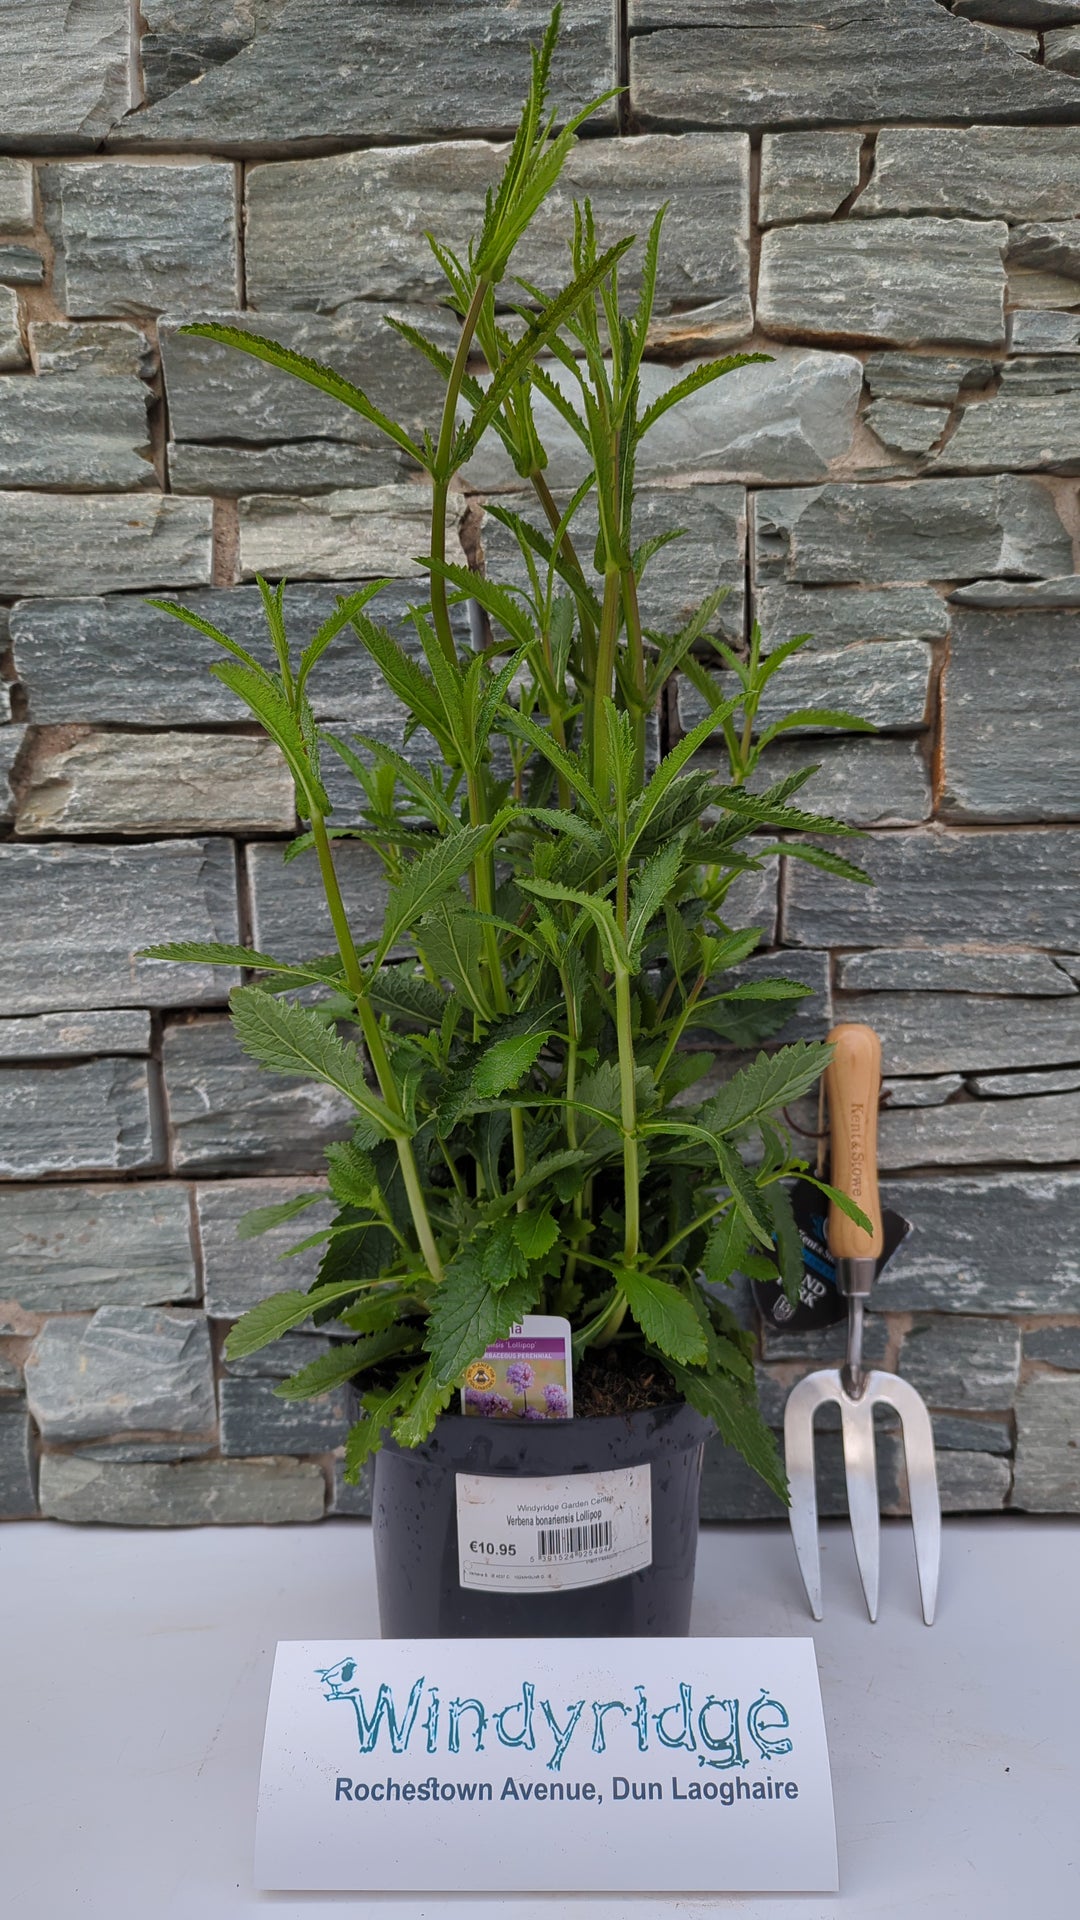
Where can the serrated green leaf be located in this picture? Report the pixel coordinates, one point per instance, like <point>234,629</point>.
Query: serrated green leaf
<point>436,873</point>
<point>535,1233</point>
<point>280,1313</point>
<point>843,1201</point>
<point>789,1246</point>
<point>416,1421</point>
<point>291,1039</point>
<point>467,1314</point>
<point>343,1362</point>
<point>506,1063</point>
<point>734,1411</point>
<point>379,1407</point>
<point>726,1248</point>
<point>353,1180</point>
<point>665,1316</point>
<point>264,1219</point>
<point>771,1081</point>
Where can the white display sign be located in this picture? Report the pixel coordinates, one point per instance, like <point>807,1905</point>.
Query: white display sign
<point>520,1766</point>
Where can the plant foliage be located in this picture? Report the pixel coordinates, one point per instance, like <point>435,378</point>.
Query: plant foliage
<point>521,1047</point>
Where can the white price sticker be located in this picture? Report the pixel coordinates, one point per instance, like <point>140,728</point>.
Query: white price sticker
<point>550,1535</point>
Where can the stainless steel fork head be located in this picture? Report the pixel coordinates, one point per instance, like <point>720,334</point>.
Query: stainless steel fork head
<point>860,1471</point>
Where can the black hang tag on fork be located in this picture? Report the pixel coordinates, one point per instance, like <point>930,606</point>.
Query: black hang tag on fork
<point>820,1302</point>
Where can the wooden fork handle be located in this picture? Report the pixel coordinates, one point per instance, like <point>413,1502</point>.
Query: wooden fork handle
<point>852,1088</point>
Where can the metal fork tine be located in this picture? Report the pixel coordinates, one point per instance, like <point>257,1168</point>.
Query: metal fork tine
<point>860,1472</point>
<point>802,1403</point>
<point>923,1496</point>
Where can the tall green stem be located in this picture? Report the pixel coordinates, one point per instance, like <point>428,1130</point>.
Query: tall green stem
<point>376,1047</point>
<point>443,470</point>
<point>604,686</point>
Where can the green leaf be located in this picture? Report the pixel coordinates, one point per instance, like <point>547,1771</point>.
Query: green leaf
<point>415,1423</point>
<point>319,972</point>
<point>428,879</point>
<point>259,1220</point>
<point>734,1411</point>
<point>816,717</point>
<point>413,687</point>
<point>789,1246</point>
<point>379,1406</point>
<point>314,373</point>
<point>766,990</point>
<point>451,940</point>
<point>353,1180</point>
<point>346,612</point>
<point>535,1233</point>
<point>212,633</point>
<point>843,1201</point>
<point>331,1369</point>
<point>665,1316</point>
<point>506,1063</point>
<point>282,1311</point>
<point>467,1314</point>
<point>692,382</point>
<point>726,1248</point>
<point>651,887</point>
<point>291,1039</point>
<point>818,857</point>
<point>771,1081</point>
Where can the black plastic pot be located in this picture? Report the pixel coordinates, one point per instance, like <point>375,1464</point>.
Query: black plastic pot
<point>415,1524</point>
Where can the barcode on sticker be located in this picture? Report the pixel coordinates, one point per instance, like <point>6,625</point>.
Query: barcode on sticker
<point>568,1543</point>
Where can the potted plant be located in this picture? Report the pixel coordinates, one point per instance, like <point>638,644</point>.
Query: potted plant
<point>528,1138</point>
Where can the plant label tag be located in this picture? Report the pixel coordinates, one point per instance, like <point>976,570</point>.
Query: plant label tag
<point>550,1535</point>
<point>527,1376</point>
<point>518,1767</point>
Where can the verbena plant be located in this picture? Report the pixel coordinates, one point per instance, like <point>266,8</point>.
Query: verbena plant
<point>513,1046</point>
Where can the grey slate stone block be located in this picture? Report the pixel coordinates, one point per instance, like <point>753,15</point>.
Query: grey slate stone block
<point>17,1496</point>
<point>807,175</point>
<point>798,64</point>
<point>1036,595</point>
<point>984,172</point>
<point>66,1248</point>
<point>959,1032</point>
<point>240,1273</point>
<point>367,530</point>
<point>11,1375</point>
<point>128,1451</point>
<point>1010,688</point>
<point>959,1433</point>
<point>866,783</point>
<point>1057,1346</point>
<point>1009,1086</point>
<point>1048,1447</point>
<point>1046,246</point>
<point>273,84</point>
<point>783,421</point>
<point>711,554</point>
<point>950,970</point>
<point>1061,50</point>
<point>993,1243</point>
<point>255,1421</point>
<point>57,543</point>
<point>131,784</point>
<point>1035,432</point>
<point>98,1118</point>
<point>13,352</point>
<point>898,281</point>
<point>289,916</point>
<point>1020,13</point>
<point>61,430</point>
<point>298,466</point>
<point>11,742</point>
<point>842,617</point>
<point>228,1116</point>
<point>945,884</point>
<point>810,1019</point>
<point>351,1502</point>
<point>182,39</point>
<point>905,428</point>
<point>115,660</point>
<point>219,394</point>
<point>21,267</point>
<point>1039,1132</point>
<point>885,682</point>
<point>193,1493</point>
<point>824,1346</point>
<point>69,1036</point>
<point>931,379</point>
<point>963,1363</point>
<point>287,1355</point>
<point>1044,331</point>
<point>973,1482</point>
<point>65,73</point>
<point>77,918</point>
<point>125,1370</point>
<point>16,196</point>
<point>933,1092</point>
<point>136,239</point>
<point>914,530</point>
<point>98,347</point>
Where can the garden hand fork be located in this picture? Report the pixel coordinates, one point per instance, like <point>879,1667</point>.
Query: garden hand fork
<point>852,1085</point>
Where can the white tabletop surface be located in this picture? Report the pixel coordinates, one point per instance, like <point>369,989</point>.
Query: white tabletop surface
<point>136,1664</point>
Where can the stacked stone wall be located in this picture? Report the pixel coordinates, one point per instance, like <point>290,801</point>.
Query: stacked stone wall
<point>886,199</point>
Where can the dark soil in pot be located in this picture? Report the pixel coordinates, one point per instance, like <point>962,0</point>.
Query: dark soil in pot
<point>418,1493</point>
